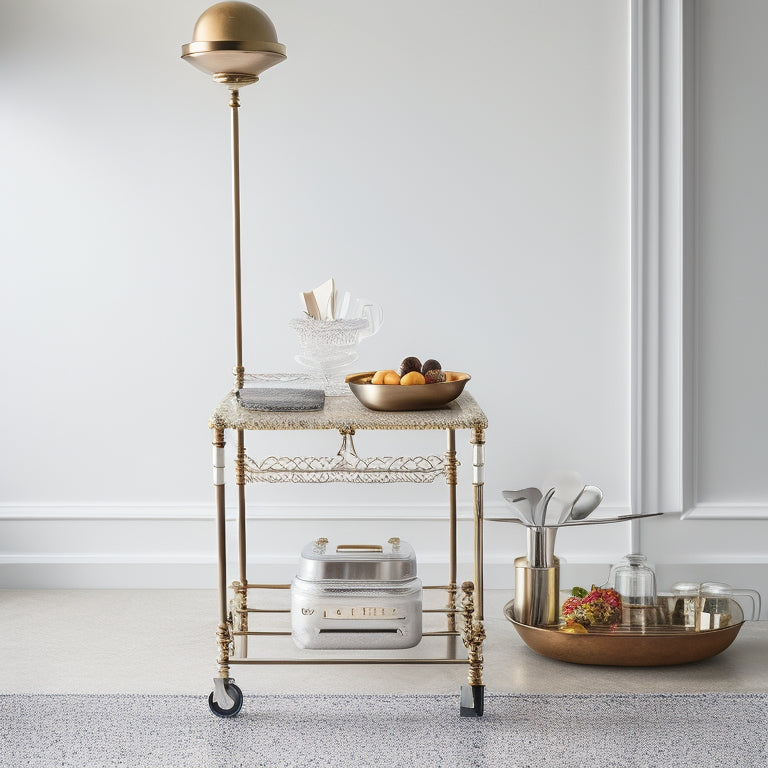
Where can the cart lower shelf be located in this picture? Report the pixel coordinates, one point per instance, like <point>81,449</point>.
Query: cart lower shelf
<point>226,700</point>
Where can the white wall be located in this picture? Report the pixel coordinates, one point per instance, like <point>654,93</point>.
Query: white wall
<point>702,438</point>
<point>466,166</point>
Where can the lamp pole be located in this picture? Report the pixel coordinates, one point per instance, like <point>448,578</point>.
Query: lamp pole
<point>234,103</point>
<point>234,42</point>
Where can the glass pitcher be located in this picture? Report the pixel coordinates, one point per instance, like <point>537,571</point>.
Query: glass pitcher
<point>708,605</point>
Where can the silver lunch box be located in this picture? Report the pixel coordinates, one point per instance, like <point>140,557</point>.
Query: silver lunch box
<point>356,596</point>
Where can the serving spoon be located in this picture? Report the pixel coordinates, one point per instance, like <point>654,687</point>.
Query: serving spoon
<point>530,495</point>
<point>585,503</point>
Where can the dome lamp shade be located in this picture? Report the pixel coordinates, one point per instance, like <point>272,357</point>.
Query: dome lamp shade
<point>234,42</point>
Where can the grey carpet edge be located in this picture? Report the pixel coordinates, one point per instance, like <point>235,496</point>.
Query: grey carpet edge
<point>489,696</point>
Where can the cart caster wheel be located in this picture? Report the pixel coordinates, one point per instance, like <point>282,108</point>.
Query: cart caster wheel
<point>472,700</point>
<point>235,694</point>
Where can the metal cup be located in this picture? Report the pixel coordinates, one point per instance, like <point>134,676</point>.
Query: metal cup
<point>537,593</point>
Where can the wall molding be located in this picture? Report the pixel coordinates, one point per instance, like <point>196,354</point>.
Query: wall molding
<point>272,512</point>
<point>657,258</point>
<point>664,232</point>
<point>189,512</point>
<point>198,570</point>
<point>174,547</point>
<point>725,511</point>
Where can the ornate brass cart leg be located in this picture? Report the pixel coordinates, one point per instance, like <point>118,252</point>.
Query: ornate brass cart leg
<point>239,619</point>
<point>451,478</point>
<point>473,635</point>
<point>241,587</point>
<point>472,696</point>
<point>223,632</point>
<point>478,482</point>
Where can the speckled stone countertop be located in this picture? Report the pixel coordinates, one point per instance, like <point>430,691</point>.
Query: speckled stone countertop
<point>345,413</point>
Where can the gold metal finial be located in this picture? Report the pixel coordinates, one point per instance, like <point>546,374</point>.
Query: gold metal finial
<point>234,42</point>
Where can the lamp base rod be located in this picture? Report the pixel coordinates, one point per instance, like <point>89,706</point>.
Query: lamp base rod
<point>234,103</point>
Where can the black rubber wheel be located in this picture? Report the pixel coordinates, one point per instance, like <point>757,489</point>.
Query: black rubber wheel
<point>236,694</point>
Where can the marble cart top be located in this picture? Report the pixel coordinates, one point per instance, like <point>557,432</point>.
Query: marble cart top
<point>345,412</point>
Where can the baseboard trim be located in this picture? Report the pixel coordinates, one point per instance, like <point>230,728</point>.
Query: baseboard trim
<point>174,546</point>
<point>138,572</point>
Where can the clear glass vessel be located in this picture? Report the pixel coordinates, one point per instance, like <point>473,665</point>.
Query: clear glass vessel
<point>329,347</point>
<point>635,581</point>
<point>709,605</point>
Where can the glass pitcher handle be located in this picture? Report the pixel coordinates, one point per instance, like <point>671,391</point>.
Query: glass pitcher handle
<point>754,596</point>
<point>375,317</point>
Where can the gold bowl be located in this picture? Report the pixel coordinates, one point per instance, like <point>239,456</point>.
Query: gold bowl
<point>398,397</point>
<point>663,645</point>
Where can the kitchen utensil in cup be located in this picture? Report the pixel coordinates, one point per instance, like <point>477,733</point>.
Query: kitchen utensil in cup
<point>540,513</point>
<point>541,546</point>
<point>530,497</point>
<point>583,505</point>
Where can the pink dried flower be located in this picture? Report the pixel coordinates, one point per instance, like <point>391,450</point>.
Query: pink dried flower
<point>599,606</point>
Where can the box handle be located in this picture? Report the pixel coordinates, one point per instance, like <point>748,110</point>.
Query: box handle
<point>359,548</point>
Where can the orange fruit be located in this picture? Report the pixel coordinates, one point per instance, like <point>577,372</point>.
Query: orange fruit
<point>378,377</point>
<point>414,377</point>
<point>574,629</point>
<point>391,377</point>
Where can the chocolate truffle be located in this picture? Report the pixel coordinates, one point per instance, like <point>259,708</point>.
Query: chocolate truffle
<point>431,365</point>
<point>410,364</point>
<point>434,377</point>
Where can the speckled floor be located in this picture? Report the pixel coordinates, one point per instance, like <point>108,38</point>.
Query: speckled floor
<point>163,642</point>
<point>616,731</point>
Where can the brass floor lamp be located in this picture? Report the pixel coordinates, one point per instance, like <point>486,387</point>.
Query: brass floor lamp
<point>234,42</point>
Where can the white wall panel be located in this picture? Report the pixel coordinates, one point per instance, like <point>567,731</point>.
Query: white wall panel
<point>466,166</point>
<point>731,263</point>
<point>703,370</point>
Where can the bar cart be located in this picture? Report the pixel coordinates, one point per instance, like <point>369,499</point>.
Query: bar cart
<point>346,415</point>
<point>234,42</point>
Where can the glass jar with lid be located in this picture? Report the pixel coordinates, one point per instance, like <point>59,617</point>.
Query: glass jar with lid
<point>635,581</point>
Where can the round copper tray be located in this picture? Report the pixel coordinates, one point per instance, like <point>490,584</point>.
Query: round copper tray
<point>662,646</point>
<point>396,397</point>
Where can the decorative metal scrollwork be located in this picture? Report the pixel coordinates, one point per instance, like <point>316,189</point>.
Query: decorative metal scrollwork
<point>315,469</point>
<point>346,466</point>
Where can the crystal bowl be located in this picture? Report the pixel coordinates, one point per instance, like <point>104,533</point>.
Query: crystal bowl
<point>327,343</point>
